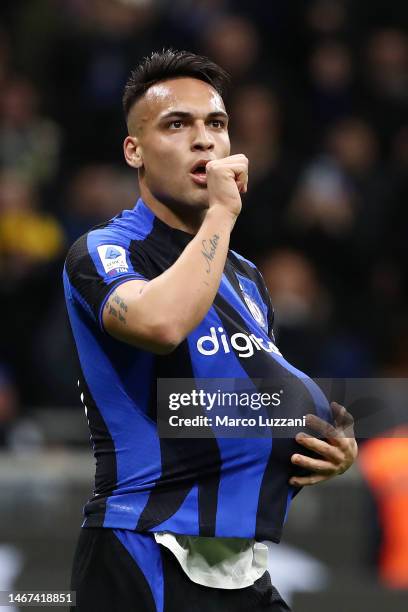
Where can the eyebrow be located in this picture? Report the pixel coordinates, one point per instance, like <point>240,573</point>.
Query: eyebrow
<point>187,115</point>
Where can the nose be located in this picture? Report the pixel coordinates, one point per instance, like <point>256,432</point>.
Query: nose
<point>202,139</point>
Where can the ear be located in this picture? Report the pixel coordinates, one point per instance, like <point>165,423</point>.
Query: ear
<point>133,152</point>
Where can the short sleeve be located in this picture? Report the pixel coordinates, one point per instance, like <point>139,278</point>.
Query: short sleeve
<point>96,264</point>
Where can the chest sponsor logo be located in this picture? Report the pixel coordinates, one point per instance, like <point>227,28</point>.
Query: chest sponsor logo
<point>245,345</point>
<point>113,258</point>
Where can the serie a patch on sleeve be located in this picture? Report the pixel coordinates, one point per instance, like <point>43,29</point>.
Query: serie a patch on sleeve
<point>113,258</point>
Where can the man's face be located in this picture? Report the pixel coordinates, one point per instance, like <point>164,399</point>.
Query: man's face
<point>177,124</point>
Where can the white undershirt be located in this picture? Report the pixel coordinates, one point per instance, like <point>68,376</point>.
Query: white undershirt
<point>221,563</point>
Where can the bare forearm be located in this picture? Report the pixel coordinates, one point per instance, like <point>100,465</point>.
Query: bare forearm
<point>183,294</point>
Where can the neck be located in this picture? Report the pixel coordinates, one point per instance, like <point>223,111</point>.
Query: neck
<point>178,216</point>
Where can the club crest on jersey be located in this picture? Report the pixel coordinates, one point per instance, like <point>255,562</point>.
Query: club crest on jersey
<point>254,309</point>
<point>113,258</point>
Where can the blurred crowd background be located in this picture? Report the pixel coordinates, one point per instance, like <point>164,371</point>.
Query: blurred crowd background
<point>319,104</point>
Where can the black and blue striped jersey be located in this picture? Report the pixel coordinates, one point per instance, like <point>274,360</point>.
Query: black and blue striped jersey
<point>214,486</point>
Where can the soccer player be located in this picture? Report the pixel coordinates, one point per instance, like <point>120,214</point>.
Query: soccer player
<point>176,525</point>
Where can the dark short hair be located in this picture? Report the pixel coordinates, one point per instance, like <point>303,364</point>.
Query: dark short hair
<point>170,64</point>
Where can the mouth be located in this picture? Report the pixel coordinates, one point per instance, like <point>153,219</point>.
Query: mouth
<point>198,172</point>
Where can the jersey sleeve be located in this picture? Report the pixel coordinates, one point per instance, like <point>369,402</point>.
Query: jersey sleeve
<point>95,266</point>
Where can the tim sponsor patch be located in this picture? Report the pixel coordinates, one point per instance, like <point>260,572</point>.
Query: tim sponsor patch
<point>113,258</point>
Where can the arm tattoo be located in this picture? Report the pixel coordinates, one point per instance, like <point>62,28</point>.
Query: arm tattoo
<point>119,301</point>
<point>119,313</point>
<point>209,248</point>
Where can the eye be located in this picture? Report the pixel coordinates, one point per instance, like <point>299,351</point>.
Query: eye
<point>217,123</point>
<point>176,124</point>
